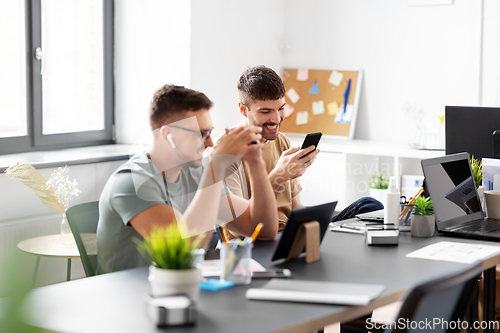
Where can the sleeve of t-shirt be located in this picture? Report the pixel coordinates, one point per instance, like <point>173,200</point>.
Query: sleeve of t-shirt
<point>126,201</point>
<point>294,183</point>
<point>235,180</point>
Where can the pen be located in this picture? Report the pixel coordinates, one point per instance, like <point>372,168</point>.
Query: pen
<point>346,95</point>
<point>350,227</point>
<point>256,231</point>
<point>412,201</point>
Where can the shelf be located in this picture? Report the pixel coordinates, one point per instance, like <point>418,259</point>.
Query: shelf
<point>367,147</point>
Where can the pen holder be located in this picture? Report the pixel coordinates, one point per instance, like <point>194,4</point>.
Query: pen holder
<point>235,260</point>
<point>405,224</point>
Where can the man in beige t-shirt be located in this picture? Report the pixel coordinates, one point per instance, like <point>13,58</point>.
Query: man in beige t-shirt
<point>285,189</point>
<point>262,103</point>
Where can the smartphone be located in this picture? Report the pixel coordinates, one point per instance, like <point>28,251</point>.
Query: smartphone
<point>312,139</point>
<point>277,273</point>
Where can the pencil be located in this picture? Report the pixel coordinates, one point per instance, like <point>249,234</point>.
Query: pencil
<point>256,231</point>
<point>412,201</point>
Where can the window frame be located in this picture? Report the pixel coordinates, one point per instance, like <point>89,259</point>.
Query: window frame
<point>35,140</point>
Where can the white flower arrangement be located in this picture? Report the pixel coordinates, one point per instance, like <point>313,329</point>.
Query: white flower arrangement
<point>55,193</point>
<point>64,189</point>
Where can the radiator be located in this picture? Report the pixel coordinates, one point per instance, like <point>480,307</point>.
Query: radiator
<point>12,232</point>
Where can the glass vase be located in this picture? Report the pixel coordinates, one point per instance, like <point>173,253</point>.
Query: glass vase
<point>66,234</point>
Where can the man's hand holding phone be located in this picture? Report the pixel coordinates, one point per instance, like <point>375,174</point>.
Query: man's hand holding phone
<point>294,162</point>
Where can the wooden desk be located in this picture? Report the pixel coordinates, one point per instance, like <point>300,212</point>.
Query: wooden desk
<point>52,246</point>
<point>114,302</point>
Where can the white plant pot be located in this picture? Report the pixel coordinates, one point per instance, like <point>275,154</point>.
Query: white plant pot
<point>166,282</point>
<point>380,195</point>
<point>482,200</point>
<point>422,225</point>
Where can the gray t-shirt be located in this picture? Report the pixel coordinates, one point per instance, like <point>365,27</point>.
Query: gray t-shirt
<point>134,187</point>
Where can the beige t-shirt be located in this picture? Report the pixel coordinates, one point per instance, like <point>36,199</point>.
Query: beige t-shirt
<point>239,183</point>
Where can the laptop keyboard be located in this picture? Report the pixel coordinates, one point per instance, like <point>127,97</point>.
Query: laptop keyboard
<point>483,227</point>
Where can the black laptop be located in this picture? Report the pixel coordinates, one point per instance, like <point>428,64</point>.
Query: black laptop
<point>452,188</point>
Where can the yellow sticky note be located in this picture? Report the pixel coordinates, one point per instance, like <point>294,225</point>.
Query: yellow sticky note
<point>333,108</point>
<point>441,119</point>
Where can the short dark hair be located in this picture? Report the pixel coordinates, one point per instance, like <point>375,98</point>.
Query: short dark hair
<point>260,83</point>
<point>171,101</point>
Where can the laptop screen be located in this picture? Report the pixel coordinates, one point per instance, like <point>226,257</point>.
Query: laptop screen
<point>452,188</point>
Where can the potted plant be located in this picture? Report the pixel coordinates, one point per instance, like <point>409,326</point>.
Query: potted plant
<point>477,170</point>
<point>379,183</point>
<point>172,257</point>
<point>423,219</point>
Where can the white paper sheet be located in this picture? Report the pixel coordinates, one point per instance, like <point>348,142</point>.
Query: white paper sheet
<point>336,78</point>
<point>302,118</point>
<point>293,95</point>
<point>318,107</point>
<point>456,252</point>
<point>212,267</point>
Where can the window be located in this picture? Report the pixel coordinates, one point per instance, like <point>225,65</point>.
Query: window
<point>55,74</point>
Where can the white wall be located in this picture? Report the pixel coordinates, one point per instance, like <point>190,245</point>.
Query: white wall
<point>227,37</point>
<point>432,55</point>
<point>428,54</point>
<point>490,84</point>
<point>152,48</point>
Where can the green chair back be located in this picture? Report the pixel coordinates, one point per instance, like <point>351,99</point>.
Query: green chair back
<point>83,220</point>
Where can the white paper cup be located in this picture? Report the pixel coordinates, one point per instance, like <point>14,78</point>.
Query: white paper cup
<point>492,204</point>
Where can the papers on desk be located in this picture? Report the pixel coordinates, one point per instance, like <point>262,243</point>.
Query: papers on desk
<point>316,292</point>
<point>456,252</point>
<point>212,267</point>
<point>353,226</point>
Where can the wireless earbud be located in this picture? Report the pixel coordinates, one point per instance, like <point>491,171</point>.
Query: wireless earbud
<point>169,139</point>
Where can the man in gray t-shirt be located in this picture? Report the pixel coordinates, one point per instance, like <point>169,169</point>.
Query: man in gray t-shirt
<point>168,183</point>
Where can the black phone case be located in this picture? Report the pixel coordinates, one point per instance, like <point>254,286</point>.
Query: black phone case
<point>312,139</point>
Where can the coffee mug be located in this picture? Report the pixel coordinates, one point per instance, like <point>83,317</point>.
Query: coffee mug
<point>492,203</point>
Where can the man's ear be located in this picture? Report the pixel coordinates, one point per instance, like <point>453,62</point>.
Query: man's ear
<point>243,108</point>
<point>164,131</point>
<point>167,136</point>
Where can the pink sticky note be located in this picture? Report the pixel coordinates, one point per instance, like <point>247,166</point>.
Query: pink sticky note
<point>302,74</point>
<point>288,110</point>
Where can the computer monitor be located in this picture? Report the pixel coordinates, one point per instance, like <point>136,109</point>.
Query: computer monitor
<point>470,129</point>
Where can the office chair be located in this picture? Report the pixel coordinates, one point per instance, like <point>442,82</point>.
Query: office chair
<point>446,298</point>
<point>83,220</point>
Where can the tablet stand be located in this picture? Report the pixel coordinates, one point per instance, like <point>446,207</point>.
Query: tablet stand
<point>307,235</point>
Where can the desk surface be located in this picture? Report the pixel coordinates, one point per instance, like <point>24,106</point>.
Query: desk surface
<point>52,246</point>
<point>114,302</point>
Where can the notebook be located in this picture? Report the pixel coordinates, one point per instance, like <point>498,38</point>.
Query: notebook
<point>450,182</point>
<point>316,292</point>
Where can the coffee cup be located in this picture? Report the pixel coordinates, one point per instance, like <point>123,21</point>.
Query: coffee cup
<point>492,203</point>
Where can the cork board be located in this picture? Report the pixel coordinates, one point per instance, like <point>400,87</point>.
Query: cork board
<point>315,101</point>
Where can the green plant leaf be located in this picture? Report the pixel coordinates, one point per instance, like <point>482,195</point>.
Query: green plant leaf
<point>477,170</point>
<point>165,248</point>
<point>423,206</point>
<point>379,181</point>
